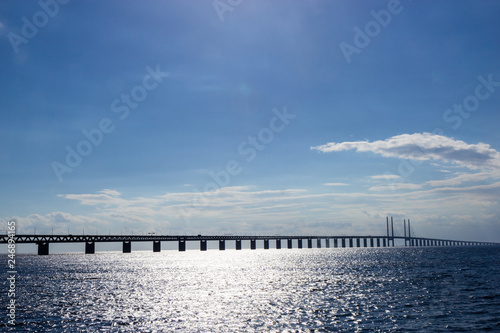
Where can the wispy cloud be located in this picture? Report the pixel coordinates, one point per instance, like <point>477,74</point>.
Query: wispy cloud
<point>336,184</point>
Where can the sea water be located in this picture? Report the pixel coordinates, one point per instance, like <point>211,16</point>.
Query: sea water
<point>432,289</point>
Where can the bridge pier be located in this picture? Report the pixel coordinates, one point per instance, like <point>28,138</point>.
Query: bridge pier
<point>156,246</point>
<point>253,244</point>
<point>358,242</point>
<point>182,245</point>
<point>365,242</point>
<point>89,247</point>
<point>378,242</point>
<point>335,243</point>
<point>371,242</point>
<point>350,242</point>
<point>384,242</point>
<point>327,241</point>
<point>43,248</point>
<point>222,245</point>
<point>289,243</point>
<point>343,242</point>
<point>309,243</point>
<point>127,247</point>
<point>266,244</point>
<point>318,243</point>
<point>299,243</point>
<point>278,244</point>
<point>203,245</point>
<point>238,244</point>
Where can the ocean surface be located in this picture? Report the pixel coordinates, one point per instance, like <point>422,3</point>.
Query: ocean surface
<point>455,289</point>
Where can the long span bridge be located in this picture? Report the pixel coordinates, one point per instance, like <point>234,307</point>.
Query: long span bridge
<point>387,240</point>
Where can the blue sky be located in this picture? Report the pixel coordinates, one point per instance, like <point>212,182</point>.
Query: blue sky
<point>207,117</point>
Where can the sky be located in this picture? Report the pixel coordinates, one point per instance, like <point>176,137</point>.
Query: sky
<point>250,117</point>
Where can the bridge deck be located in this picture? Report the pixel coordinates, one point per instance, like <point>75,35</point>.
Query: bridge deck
<point>20,239</point>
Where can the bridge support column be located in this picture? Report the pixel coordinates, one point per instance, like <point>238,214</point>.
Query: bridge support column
<point>238,244</point>
<point>309,243</point>
<point>253,244</point>
<point>343,242</point>
<point>350,242</point>
<point>318,243</point>
<point>278,244</point>
<point>335,243</point>
<point>299,243</point>
<point>327,243</point>
<point>266,244</point>
<point>43,248</point>
<point>182,245</point>
<point>358,242</point>
<point>127,247</point>
<point>384,242</point>
<point>89,247</point>
<point>156,246</point>
<point>365,243</point>
<point>289,243</point>
<point>371,242</point>
<point>378,242</point>
<point>203,245</point>
<point>222,245</point>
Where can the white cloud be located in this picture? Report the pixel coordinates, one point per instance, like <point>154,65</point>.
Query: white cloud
<point>424,146</point>
<point>395,186</point>
<point>105,197</point>
<point>388,176</point>
<point>287,211</point>
<point>460,178</point>
<point>58,222</point>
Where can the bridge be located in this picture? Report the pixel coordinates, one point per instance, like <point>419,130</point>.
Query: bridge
<point>387,240</point>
